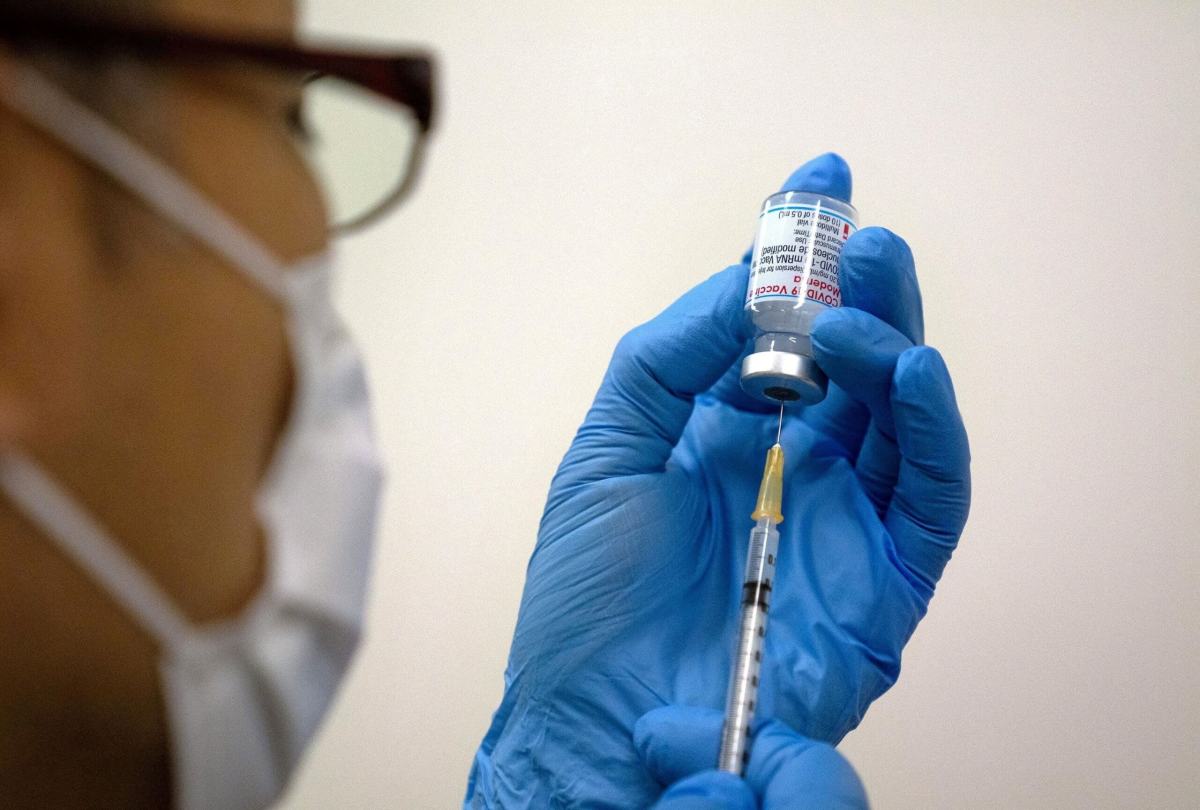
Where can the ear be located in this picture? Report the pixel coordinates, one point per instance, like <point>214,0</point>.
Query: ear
<point>47,279</point>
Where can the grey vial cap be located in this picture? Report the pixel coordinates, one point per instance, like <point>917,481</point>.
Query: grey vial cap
<point>776,377</point>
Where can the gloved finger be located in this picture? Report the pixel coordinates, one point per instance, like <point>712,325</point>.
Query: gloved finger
<point>790,771</point>
<point>709,790</point>
<point>677,741</point>
<point>878,467</point>
<point>656,370</point>
<point>827,174</point>
<point>932,497</point>
<point>859,353</point>
<point>877,276</point>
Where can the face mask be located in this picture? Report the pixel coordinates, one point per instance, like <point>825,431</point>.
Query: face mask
<point>243,698</point>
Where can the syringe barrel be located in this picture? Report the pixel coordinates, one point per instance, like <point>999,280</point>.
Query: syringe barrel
<point>747,661</point>
<point>793,277</point>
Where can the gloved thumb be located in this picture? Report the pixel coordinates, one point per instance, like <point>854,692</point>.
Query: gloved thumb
<point>789,770</point>
<point>708,790</point>
<point>677,741</point>
<point>657,369</point>
<point>786,769</point>
<point>678,745</point>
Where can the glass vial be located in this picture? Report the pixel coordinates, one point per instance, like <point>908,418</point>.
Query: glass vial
<point>793,278</point>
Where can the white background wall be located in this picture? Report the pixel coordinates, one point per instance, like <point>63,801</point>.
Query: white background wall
<point>595,160</point>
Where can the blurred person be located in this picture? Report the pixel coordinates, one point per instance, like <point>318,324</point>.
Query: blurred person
<point>189,475</point>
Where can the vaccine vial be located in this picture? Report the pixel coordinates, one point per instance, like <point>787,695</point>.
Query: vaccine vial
<point>793,278</point>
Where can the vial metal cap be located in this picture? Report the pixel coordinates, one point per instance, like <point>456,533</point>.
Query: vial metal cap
<point>783,377</point>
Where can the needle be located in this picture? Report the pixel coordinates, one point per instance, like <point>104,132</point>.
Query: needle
<point>779,432</point>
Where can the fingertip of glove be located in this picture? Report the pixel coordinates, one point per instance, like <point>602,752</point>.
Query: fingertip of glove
<point>921,372</point>
<point>821,771</point>
<point>878,275</point>
<point>785,762</point>
<point>837,338</point>
<point>706,326</point>
<point>711,789</point>
<point>823,759</point>
<point>827,174</point>
<point>654,735</point>
<point>832,323</point>
<point>877,244</point>
<point>773,738</point>
<point>646,732</point>
<point>735,272</point>
<point>674,741</point>
<point>924,400</point>
<point>842,330</point>
<point>733,280</point>
<point>737,277</point>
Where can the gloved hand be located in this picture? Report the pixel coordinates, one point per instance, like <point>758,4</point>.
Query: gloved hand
<point>632,593</point>
<point>678,745</point>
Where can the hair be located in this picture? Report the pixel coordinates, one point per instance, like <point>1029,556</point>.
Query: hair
<point>125,91</point>
<point>86,8</point>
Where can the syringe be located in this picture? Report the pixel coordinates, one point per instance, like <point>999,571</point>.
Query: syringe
<point>756,601</point>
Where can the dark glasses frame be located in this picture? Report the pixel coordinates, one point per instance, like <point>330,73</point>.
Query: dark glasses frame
<point>405,78</point>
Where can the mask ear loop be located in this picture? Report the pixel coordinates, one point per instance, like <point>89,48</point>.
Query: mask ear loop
<point>81,537</point>
<point>34,97</point>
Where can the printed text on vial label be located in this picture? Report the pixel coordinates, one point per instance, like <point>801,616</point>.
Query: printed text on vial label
<point>796,256</point>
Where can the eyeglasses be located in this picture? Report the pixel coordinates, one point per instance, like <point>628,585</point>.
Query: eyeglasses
<point>363,117</point>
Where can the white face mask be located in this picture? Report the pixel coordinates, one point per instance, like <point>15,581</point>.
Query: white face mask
<point>245,697</point>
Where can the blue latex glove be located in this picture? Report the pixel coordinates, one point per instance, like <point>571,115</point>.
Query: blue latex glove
<point>632,593</point>
<point>678,746</point>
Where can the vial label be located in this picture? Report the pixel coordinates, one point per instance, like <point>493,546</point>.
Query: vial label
<point>796,255</point>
